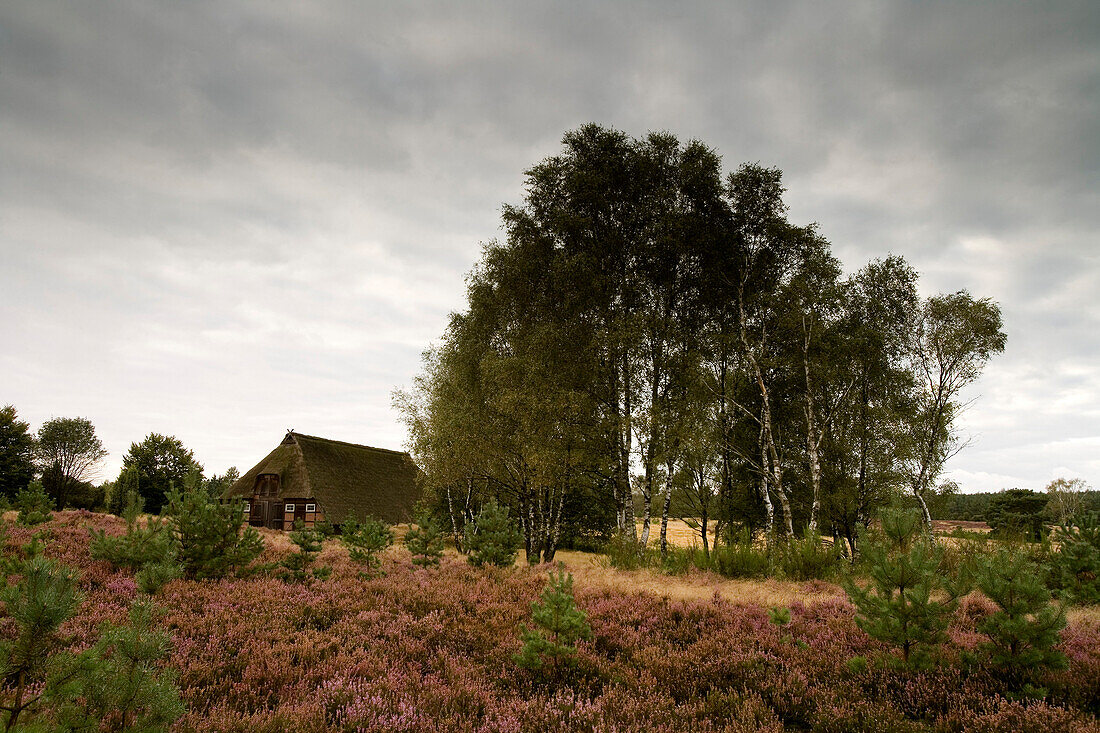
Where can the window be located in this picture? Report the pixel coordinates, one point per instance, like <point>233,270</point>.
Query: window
<point>247,507</point>
<point>289,508</point>
<point>311,508</point>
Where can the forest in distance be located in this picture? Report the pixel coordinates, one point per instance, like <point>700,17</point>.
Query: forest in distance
<point>651,329</point>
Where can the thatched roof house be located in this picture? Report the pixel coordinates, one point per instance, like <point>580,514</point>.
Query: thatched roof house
<point>314,479</point>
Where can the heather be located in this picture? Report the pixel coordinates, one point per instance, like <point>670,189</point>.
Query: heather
<point>428,649</point>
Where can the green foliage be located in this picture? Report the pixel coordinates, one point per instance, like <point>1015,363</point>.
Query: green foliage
<point>68,446</point>
<point>425,542</point>
<point>779,615</point>
<point>1024,629</point>
<point>297,567</point>
<point>494,539</point>
<point>150,544</point>
<point>212,541</point>
<point>34,505</point>
<point>118,681</point>
<point>366,540</point>
<point>1074,570</point>
<point>808,558</point>
<point>125,490</point>
<point>740,558</point>
<point>43,599</point>
<point>162,462</point>
<point>897,607</point>
<point>624,552</point>
<point>1017,513</point>
<point>557,626</point>
<point>154,576</point>
<point>16,453</point>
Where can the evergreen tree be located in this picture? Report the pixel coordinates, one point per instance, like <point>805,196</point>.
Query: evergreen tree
<point>16,453</point>
<point>34,504</point>
<point>1075,567</point>
<point>897,606</point>
<point>557,626</point>
<point>118,682</point>
<point>366,540</point>
<point>494,540</point>
<point>297,567</point>
<point>1024,629</point>
<point>150,544</point>
<point>163,462</point>
<point>212,541</point>
<point>43,599</point>
<point>128,485</point>
<point>425,542</point>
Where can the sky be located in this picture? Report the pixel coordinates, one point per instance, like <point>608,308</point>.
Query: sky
<point>223,220</point>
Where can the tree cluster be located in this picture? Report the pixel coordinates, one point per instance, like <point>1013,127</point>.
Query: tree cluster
<point>651,328</point>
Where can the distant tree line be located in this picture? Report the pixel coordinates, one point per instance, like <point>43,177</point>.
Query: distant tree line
<point>64,454</point>
<point>650,328</point>
<point>1062,501</point>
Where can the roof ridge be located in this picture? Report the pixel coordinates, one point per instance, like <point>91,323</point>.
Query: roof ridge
<point>353,445</point>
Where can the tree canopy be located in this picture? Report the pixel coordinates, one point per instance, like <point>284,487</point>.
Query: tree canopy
<point>652,331</point>
<point>16,453</point>
<point>162,462</point>
<point>69,449</point>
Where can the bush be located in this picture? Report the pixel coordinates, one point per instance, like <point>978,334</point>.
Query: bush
<point>1024,629</point>
<point>296,568</point>
<point>740,558</point>
<point>494,539</point>
<point>211,541</point>
<point>425,542</point>
<point>897,606</point>
<point>366,540</point>
<point>808,558</point>
<point>154,576</point>
<point>624,553</point>
<point>558,626</point>
<point>34,504</point>
<point>1074,570</point>
<point>119,680</point>
<point>140,546</point>
<point>124,491</point>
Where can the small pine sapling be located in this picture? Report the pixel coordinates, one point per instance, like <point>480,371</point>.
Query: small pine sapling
<point>425,542</point>
<point>366,540</point>
<point>125,490</point>
<point>494,539</point>
<point>43,599</point>
<point>557,627</point>
<point>212,539</point>
<point>1024,629</point>
<point>298,567</point>
<point>34,504</point>
<point>1075,567</point>
<point>145,545</point>
<point>118,681</point>
<point>897,606</point>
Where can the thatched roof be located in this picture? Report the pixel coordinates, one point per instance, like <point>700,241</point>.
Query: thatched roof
<point>343,478</point>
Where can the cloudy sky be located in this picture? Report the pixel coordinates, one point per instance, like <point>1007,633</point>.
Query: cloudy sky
<point>220,220</point>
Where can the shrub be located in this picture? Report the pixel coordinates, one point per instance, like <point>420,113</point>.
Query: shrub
<point>1023,630</point>
<point>558,626</point>
<point>154,576</point>
<point>118,680</point>
<point>366,540</point>
<point>212,542</point>
<point>624,553</point>
<point>125,490</point>
<point>808,558</point>
<point>34,505</point>
<point>740,558</point>
<point>425,542</point>
<point>297,566</point>
<point>140,546</point>
<point>494,539</point>
<point>1074,570</point>
<point>897,606</point>
<point>43,599</point>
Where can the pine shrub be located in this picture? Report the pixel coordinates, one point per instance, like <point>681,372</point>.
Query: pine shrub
<point>1023,630</point>
<point>366,540</point>
<point>298,566</point>
<point>124,491</point>
<point>557,627</point>
<point>1074,569</point>
<point>425,542</point>
<point>897,606</point>
<point>118,681</point>
<point>34,505</point>
<point>495,540</point>
<point>212,539</point>
<point>140,546</point>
